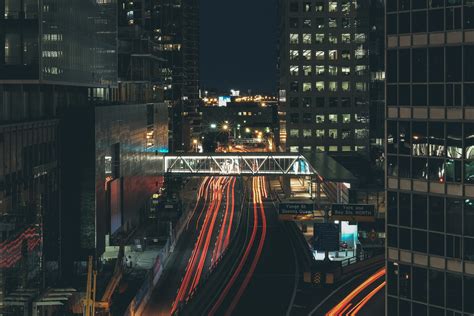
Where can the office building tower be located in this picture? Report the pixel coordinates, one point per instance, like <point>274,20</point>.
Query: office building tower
<point>325,75</point>
<point>429,152</point>
<point>175,26</point>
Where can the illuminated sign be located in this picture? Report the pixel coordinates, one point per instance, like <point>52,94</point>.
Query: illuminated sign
<point>353,212</point>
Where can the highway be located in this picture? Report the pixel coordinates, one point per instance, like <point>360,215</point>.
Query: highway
<point>206,237</point>
<point>363,294</point>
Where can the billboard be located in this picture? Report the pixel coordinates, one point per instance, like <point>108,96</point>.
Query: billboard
<point>223,101</point>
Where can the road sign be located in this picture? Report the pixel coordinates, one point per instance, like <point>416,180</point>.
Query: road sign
<point>295,211</point>
<point>326,237</point>
<point>353,212</point>
<point>296,208</point>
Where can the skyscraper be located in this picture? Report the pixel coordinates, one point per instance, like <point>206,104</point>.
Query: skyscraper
<point>429,160</point>
<point>175,27</point>
<point>58,56</point>
<point>325,75</point>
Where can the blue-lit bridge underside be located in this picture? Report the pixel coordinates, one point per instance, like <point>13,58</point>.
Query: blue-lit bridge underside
<point>236,164</point>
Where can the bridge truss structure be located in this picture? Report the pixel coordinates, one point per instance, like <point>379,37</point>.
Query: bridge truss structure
<point>238,164</point>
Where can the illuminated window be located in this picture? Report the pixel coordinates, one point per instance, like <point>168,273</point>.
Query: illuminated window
<point>360,148</point>
<point>332,54</point>
<point>319,70</point>
<point>346,23</point>
<point>346,70</point>
<point>346,148</point>
<point>346,118</point>
<point>294,149</point>
<point>359,38</point>
<point>332,70</point>
<point>294,55</point>
<point>332,133</point>
<point>307,23</point>
<point>332,39</point>
<point>361,118</point>
<point>320,118</point>
<point>345,86</point>
<point>346,7</point>
<point>346,38</point>
<point>320,86</point>
<point>332,118</point>
<point>360,70</point>
<point>361,133</point>
<point>346,55</point>
<point>332,6</point>
<point>319,38</point>
<point>320,148</point>
<point>319,7</point>
<point>319,133</point>
<point>307,7</point>
<point>319,55</point>
<point>332,22</point>
<point>295,133</point>
<point>306,86</point>
<point>332,148</point>
<point>360,52</point>
<point>307,54</point>
<point>306,133</point>
<point>294,39</point>
<point>332,86</point>
<point>345,134</point>
<point>306,38</point>
<point>294,70</point>
<point>307,149</point>
<point>307,70</point>
<point>361,86</point>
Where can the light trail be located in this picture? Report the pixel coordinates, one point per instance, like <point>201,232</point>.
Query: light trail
<point>211,191</point>
<point>258,203</point>
<point>367,298</point>
<point>337,310</point>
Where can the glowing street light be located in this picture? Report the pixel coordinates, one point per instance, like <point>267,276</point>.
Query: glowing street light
<point>225,127</point>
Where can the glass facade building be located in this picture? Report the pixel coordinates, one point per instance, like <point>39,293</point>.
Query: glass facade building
<point>325,74</point>
<point>429,166</point>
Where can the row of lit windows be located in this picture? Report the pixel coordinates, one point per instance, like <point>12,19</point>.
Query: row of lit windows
<point>320,102</point>
<point>308,149</point>
<point>53,37</point>
<point>333,54</point>
<point>320,23</point>
<point>320,6</point>
<point>52,53</point>
<point>307,70</point>
<point>331,86</point>
<point>331,133</point>
<point>331,118</point>
<point>433,139</point>
<point>307,38</point>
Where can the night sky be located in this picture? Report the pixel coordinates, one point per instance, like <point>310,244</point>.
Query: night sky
<point>238,45</point>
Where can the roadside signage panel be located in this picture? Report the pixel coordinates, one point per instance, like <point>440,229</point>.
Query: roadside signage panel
<point>296,208</point>
<point>353,212</point>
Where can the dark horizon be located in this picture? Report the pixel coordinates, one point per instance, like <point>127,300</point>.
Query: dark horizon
<point>236,55</point>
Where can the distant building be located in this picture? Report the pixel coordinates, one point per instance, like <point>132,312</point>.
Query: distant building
<point>430,161</point>
<point>327,76</point>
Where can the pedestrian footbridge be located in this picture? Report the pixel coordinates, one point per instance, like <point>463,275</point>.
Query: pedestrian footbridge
<point>316,165</point>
